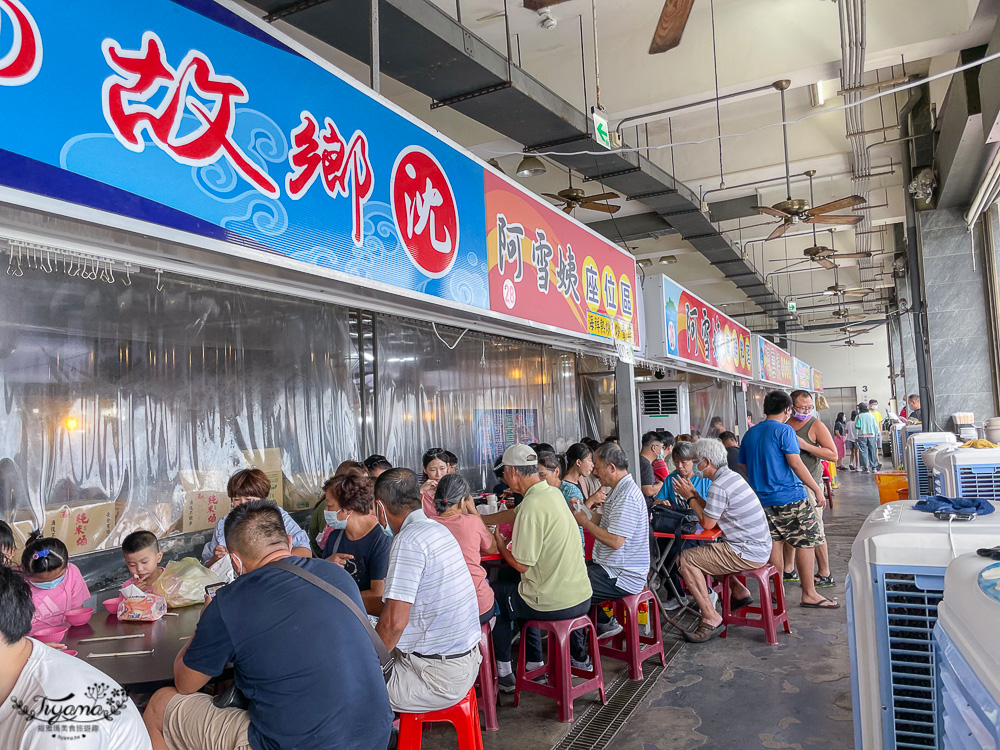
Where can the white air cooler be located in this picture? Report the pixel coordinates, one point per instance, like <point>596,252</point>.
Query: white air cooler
<point>970,472</point>
<point>895,582</point>
<point>917,476</point>
<point>896,444</point>
<point>967,654</point>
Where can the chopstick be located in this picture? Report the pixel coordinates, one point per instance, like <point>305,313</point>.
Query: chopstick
<point>111,638</point>
<point>122,653</point>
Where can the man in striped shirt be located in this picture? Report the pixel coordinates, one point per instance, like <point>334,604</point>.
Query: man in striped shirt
<point>620,561</point>
<point>746,540</point>
<point>430,621</point>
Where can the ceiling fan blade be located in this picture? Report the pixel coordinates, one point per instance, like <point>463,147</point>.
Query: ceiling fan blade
<point>854,255</point>
<point>555,197</point>
<point>491,16</point>
<point>834,220</point>
<point>848,202</point>
<point>828,264</point>
<point>858,292</point>
<point>670,27</point>
<point>568,208</point>
<point>601,197</point>
<point>537,5</point>
<point>771,211</point>
<point>603,207</point>
<point>779,230</point>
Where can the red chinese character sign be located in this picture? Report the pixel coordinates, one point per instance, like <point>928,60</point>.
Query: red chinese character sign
<point>22,61</point>
<point>683,326</point>
<point>425,211</point>
<point>774,364</point>
<point>547,268</point>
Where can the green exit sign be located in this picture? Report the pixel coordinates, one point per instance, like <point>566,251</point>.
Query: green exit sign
<point>792,306</point>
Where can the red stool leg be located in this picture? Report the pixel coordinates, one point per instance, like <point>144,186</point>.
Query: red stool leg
<point>520,666</point>
<point>597,665</point>
<point>780,608</point>
<point>631,633</point>
<point>488,680</point>
<point>654,619</point>
<point>466,723</point>
<point>562,671</point>
<point>727,593</point>
<point>410,728</point>
<point>767,612</point>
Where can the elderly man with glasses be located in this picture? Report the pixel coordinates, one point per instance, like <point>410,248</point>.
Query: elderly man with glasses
<point>731,505</point>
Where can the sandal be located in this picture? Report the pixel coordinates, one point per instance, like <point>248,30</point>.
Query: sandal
<point>735,604</point>
<point>824,604</point>
<point>792,577</point>
<point>824,582</point>
<point>703,632</point>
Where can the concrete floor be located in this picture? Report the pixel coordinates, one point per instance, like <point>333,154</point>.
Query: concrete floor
<point>732,694</point>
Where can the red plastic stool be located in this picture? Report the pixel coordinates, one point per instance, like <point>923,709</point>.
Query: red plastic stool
<point>629,646</point>
<point>464,716</point>
<point>768,615</point>
<point>487,680</point>
<point>557,668</point>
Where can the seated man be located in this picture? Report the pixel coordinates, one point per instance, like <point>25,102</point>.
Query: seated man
<point>620,562</point>
<point>304,661</point>
<point>45,681</point>
<point>746,540</point>
<point>430,619</point>
<point>545,550</point>
<point>251,484</point>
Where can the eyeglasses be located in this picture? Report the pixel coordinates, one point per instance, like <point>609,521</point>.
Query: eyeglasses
<point>802,409</point>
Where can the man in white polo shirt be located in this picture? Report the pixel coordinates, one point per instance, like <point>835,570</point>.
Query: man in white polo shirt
<point>430,621</point>
<point>620,561</point>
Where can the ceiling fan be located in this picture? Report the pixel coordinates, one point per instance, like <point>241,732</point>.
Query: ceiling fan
<point>823,255</point>
<point>794,211</point>
<point>573,198</point>
<point>851,342</point>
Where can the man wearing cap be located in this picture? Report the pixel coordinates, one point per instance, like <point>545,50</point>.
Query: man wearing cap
<point>545,549</point>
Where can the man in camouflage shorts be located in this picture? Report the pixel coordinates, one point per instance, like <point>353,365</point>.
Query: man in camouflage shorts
<point>769,456</point>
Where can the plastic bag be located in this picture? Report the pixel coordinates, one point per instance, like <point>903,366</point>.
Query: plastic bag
<point>148,608</point>
<point>183,582</point>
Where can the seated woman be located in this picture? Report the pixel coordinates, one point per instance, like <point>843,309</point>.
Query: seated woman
<point>550,469</point>
<point>317,524</point>
<point>435,463</point>
<point>579,462</point>
<point>354,539</point>
<point>456,509</point>
<point>683,456</point>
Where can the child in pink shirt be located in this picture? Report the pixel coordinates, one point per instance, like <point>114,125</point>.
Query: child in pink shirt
<point>56,584</point>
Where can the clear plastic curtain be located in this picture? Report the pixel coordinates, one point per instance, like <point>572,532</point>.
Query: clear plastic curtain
<point>711,400</point>
<point>132,394</point>
<point>468,393</point>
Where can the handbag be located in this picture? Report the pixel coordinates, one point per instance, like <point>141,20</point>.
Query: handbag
<point>667,520</point>
<point>384,658</point>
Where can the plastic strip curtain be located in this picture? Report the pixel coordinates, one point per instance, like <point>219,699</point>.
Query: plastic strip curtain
<point>598,409</point>
<point>123,399</point>
<point>711,401</point>
<point>470,394</point>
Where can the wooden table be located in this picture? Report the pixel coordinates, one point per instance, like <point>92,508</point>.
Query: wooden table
<point>143,673</point>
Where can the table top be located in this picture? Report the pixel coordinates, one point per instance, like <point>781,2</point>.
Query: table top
<point>165,637</point>
<point>701,536</point>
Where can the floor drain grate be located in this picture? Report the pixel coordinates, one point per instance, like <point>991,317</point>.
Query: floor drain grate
<point>595,729</point>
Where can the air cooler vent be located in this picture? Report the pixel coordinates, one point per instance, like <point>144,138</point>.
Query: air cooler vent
<point>979,481</point>
<point>661,403</point>
<point>911,613</point>
<point>923,479</point>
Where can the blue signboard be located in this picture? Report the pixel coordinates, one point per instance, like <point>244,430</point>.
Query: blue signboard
<point>184,114</point>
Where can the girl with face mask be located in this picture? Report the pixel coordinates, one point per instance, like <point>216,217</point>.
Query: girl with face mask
<point>354,538</point>
<point>56,584</point>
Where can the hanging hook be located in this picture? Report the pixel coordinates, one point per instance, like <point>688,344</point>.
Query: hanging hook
<point>19,271</point>
<point>74,267</point>
<point>127,281</point>
<point>159,281</point>
<point>47,265</point>
<point>111,272</point>
<point>10,260</point>
<point>92,274</point>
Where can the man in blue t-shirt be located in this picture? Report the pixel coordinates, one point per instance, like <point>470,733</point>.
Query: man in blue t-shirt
<point>769,457</point>
<point>266,623</point>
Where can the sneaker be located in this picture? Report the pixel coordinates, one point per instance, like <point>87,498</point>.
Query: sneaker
<point>852,467</point>
<point>507,683</point>
<point>585,665</point>
<point>608,629</point>
<point>673,604</point>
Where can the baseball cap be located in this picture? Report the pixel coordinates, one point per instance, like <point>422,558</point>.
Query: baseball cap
<point>520,455</point>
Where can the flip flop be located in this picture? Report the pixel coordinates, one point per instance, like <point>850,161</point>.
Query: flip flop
<point>735,604</point>
<point>825,604</point>
<point>703,633</point>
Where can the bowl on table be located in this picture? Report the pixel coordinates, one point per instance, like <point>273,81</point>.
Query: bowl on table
<point>50,635</point>
<point>112,605</point>
<point>79,616</point>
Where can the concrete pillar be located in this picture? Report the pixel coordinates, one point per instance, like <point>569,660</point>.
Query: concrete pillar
<point>628,416</point>
<point>960,364</point>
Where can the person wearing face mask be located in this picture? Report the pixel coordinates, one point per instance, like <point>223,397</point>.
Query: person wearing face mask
<point>652,448</point>
<point>817,446</point>
<point>354,539</point>
<point>243,486</point>
<point>56,584</point>
<point>263,623</point>
<point>772,462</point>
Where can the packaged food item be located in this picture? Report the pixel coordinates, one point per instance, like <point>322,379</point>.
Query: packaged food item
<point>147,608</point>
<point>183,582</point>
